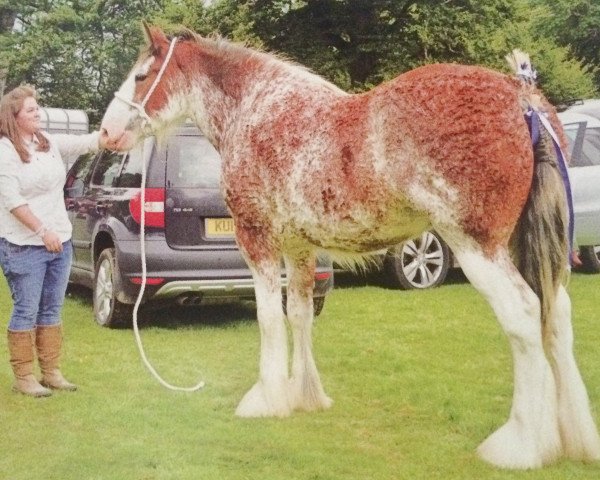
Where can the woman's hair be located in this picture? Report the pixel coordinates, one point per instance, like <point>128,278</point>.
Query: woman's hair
<point>10,105</point>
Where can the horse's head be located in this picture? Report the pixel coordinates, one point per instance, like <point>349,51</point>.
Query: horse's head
<point>147,97</point>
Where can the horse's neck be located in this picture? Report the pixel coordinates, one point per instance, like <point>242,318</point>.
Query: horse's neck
<point>232,85</point>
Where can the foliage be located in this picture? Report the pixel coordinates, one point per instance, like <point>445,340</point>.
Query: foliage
<point>574,24</point>
<point>357,44</point>
<point>419,379</point>
<point>75,53</point>
<point>78,52</point>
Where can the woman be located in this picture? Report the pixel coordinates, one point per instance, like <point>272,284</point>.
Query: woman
<point>35,237</point>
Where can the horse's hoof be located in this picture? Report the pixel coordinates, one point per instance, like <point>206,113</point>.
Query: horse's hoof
<point>262,402</point>
<point>514,447</point>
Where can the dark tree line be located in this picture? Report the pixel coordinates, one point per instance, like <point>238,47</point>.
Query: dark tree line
<point>78,51</point>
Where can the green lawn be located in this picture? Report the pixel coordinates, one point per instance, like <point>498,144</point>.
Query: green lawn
<point>418,379</point>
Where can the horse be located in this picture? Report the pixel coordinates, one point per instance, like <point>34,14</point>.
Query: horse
<point>308,168</point>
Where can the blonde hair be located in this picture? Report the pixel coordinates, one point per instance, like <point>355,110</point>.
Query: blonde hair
<point>10,106</point>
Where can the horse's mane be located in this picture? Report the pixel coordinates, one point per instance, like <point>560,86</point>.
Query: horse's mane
<point>224,47</point>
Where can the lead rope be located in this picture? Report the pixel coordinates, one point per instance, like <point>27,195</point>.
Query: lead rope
<point>138,301</point>
<point>140,107</point>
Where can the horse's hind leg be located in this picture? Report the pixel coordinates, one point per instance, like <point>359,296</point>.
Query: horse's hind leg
<point>577,427</point>
<point>269,395</point>
<point>530,438</point>
<point>307,392</point>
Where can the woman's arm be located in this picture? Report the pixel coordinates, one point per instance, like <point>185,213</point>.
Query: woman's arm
<point>72,146</point>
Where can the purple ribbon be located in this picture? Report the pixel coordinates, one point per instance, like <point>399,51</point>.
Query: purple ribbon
<point>533,123</point>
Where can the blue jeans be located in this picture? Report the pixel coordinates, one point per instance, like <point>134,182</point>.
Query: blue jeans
<point>37,280</point>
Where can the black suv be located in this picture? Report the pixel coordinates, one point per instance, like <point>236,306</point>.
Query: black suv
<point>191,254</point>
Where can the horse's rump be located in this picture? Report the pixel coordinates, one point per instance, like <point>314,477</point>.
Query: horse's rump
<point>467,127</point>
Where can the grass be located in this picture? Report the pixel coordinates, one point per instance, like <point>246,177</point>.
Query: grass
<point>418,379</point>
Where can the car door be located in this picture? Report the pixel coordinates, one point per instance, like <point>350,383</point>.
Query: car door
<point>584,174</point>
<point>93,206</point>
<point>75,193</point>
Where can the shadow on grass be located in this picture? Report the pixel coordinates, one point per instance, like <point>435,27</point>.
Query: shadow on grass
<point>233,313</point>
<point>172,316</point>
<point>80,293</point>
<point>200,316</point>
<point>375,278</point>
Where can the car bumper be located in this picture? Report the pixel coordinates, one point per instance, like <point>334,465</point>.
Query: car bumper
<point>183,283</point>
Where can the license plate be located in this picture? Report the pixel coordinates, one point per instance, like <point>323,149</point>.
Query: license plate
<point>219,227</point>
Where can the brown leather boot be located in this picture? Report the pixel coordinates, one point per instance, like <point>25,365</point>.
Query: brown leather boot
<point>20,347</point>
<point>48,340</point>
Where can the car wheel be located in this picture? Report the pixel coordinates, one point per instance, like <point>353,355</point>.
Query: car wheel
<point>590,258</point>
<point>108,311</point>
<point>422,262</point>
<point>318,303</point>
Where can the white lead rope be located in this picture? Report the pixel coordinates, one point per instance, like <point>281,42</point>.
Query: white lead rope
<point>138,301</point>
<point>140,107</point>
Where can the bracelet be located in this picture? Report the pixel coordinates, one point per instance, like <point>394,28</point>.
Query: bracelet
<point>40,232</point>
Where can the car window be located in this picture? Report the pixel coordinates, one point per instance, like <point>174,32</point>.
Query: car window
<point>590,151</point>
<point>192,162</point>
<point>575,133</point>
<point>76,177</point>
<point>107,169</point>
<point>131,174</point>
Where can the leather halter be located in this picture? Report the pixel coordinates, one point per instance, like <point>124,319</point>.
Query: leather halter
<point>141,107</point>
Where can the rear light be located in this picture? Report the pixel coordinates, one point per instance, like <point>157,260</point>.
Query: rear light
<point>154,207</point>
<point>322,275</point>
<point>149,280</point>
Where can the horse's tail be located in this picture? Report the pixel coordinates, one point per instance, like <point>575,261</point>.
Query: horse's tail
<point>540,242</point>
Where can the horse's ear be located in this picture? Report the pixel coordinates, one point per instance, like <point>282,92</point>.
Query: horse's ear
<point>154,35</point>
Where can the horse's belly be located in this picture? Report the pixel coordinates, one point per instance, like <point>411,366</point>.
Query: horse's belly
<point>364,235</point>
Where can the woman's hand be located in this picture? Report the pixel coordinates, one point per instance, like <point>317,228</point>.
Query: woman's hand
<point>52,242</point>
<point>103,140</point>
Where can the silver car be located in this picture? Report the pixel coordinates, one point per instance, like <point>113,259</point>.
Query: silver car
<point>583,132</point>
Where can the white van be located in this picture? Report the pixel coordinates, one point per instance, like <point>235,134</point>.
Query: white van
<point>62,120</point>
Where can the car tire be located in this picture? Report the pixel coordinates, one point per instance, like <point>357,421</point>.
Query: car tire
<point>590,258</point>
<point>108,311</point>
<point>318,303</point>
<point>422,262</point>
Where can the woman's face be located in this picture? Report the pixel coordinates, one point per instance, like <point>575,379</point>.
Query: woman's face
<point>28,118</point>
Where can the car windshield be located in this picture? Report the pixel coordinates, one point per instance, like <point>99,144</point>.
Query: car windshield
<point>192,162</point>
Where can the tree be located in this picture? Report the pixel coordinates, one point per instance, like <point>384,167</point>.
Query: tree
<point>76,53</point>
<point>575,24</point>
<point>8,16</point>
<point>358,43</point>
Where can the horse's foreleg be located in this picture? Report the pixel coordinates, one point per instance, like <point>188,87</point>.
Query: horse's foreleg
<point>577,427</point>
<point>307,392</point>
<point>530,438</point>
<point>269,396</point>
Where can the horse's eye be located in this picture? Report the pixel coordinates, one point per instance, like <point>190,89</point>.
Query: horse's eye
<point>140,77</point>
